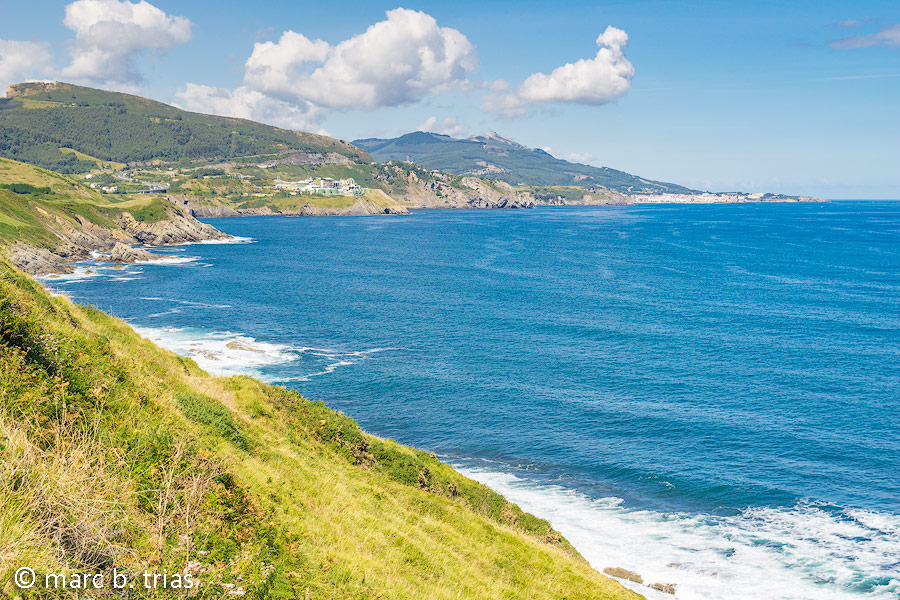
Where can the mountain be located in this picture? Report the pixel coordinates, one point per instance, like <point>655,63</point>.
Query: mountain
<point>499,158</point>
<point>42,123</point>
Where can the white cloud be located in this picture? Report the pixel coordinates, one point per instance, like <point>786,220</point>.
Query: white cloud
<point>19,60</point>
<point>594,81</point>
<point>583,158</point>
<point>109,33</point>
<point>888,36</point>
<point>399,60</point>
<point>851,23</point>
<point>447,126</point>
<point>245,103</point>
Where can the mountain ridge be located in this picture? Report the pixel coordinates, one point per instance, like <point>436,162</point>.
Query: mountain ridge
<point>502,158</point>
<point>38,119</point>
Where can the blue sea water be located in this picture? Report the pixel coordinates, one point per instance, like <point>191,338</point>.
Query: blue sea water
<point>707,395</point>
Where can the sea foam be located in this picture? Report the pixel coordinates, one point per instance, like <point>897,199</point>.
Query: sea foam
<point>811,551</point>
<point>228,353</point>
<point>221,352</point>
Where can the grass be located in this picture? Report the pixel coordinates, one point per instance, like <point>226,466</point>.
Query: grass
<point>35,203</point>
<point>152,211</point>
<point>101,164</point>
<point>16,172</point>
<point>117,454</point>
<point>108,126</point>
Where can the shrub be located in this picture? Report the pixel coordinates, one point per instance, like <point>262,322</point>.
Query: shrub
<point>25,189</point>
<point>207,411</point>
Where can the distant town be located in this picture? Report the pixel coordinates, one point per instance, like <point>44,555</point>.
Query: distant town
<point>325,186</point>
<point>712,198</point>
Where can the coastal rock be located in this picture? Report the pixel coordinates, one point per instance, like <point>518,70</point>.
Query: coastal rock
<point>621,573</point>
<point>203,209</point>
<point>78,238</point>
<point>178,228</point>
<point>38,261</point>
<point>375,202</point>
<point>123,253</point>
<point>665,588</point>
<point>238,345</point>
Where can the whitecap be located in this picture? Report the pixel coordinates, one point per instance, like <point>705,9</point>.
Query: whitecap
<point>220,352</point>
<point>169,260</point>
<point>80,273</point>
<point>810,551</point>
<point>185,302</point>
<point>236,239</point>
<point>228,353</point>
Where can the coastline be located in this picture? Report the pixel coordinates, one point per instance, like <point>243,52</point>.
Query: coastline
<point>273,475</point>
<point>123,245</point>
<point>779,527</point>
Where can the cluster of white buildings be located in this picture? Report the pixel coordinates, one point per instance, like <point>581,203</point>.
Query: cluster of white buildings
<point>702,198</point>
<point>325,186</point>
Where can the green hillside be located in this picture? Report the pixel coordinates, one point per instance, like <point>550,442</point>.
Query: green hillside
<point>35,204</point>
<point>496,157</point>
<point>39,120</point>
<point>116,454</point>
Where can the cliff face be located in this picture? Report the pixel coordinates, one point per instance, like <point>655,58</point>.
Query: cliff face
<point>78,238</point>
<point>374,203</point>
<point>417,187</point>
<point>23,89</point>
<point>49,220</point>
<point>439,190</point>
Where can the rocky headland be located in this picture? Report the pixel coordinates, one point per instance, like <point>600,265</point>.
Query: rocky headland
<point>80,239</point>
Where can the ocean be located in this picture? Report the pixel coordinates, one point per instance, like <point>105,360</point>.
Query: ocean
<point>706,395</point>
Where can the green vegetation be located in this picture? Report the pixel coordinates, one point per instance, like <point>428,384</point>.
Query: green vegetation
<point>154,211</point>
<point>117,454</point>
<point>41,118</point>
<point>495,157</point>
<point>284,202</point>
<point>551,192</point>
<point>25,188</point>
<point>101,164</point>
<point>31,199</point>
<point>205,410</point>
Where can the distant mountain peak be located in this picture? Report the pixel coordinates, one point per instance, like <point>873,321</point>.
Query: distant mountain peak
<point>497,157</point>
<point>494,137</point>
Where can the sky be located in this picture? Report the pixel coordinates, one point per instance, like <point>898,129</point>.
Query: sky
<point>796,97</point>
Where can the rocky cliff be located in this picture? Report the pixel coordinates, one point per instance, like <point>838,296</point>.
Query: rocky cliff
<point>78,238</point>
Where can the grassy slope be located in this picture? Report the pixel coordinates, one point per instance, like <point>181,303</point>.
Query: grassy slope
<point>113,451</point>
<point>25,217</point>
<point>42,118</point>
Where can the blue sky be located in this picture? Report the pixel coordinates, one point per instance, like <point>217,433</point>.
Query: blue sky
<point>793,97</point>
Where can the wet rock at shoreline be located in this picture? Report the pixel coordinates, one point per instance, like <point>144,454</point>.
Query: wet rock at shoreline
<point>621,573</point>
<point>123,253</point>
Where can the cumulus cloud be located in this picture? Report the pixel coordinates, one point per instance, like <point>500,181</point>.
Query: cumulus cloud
<point>396,61</point>
<point>888,36</point>
<point>583,158</point>
<point>246,103</point>
<point>20,60</point>
<point>594,81</point>
<point>447,126</point>
<point>109,33</point>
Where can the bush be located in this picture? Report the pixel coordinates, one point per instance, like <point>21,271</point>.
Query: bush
<point>156,210</point>
<point>25,188</point>
<point>207,411</point>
